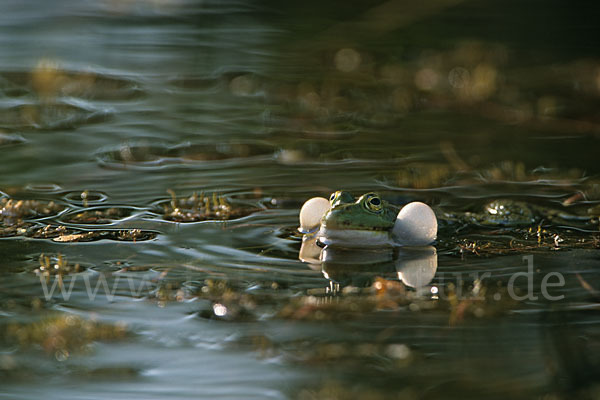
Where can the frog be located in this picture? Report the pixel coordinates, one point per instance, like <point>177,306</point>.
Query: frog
<point>367,221</point>
<point>340,197</point>
<point>511,213</point>
<point>505,212</point>
<point>364,222</point>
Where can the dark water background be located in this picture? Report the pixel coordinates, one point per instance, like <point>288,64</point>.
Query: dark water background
<point>454,103</point>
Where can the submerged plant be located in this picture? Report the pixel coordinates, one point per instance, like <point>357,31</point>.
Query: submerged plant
<point>56,265</point>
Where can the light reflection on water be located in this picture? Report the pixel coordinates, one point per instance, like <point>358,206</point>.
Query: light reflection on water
<point>268,107</point>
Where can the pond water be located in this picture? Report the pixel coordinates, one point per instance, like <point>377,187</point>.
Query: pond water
<point>155,155</point>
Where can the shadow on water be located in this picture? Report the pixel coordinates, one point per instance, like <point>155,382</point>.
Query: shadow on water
<point>155,155</point>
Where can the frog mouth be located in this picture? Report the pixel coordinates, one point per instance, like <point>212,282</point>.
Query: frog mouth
<point>353,237</point>
<point>341,227</point>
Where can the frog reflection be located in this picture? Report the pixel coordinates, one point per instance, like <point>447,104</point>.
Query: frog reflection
<point>414,266</point>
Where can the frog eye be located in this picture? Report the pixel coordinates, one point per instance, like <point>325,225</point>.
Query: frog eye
<point>373,203</point>
<point>335,196</point>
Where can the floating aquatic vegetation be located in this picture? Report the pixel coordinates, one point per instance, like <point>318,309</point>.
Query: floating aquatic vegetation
<point>168,290</point>
<point>131,235</point>
<point>61,335</point>
<point>48,231</point>
<point>221,299</point>
<point>63,234</point>
<point>530,240</point>
<point>200,207</point>
<point>48,80</point>
<point>105,215</point>
<point>15,216</point>
<point>354,302</point>
<point>228,302</point>
<point>461,300</point>
<point>16,229</point>
<point>13,211</point>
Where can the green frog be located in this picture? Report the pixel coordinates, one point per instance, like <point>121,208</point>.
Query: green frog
<point>365,222</point>
<point>506,213</point>
<point>514,213</point>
